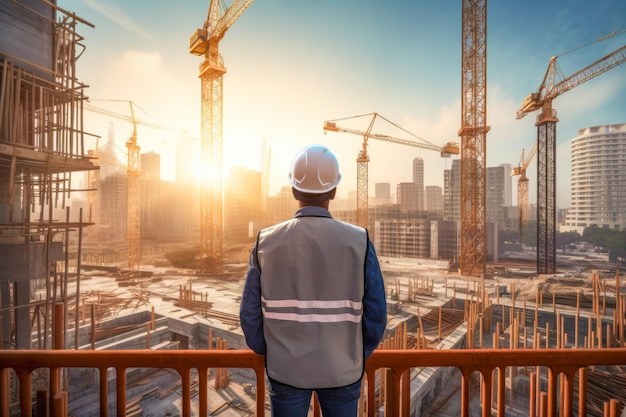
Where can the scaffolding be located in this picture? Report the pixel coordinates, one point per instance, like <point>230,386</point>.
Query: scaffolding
<point>42,152</point>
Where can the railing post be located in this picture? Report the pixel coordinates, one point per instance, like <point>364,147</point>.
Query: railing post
<point>4,391</point>
<point>543,404</point>
<point>260,387</point>
<point>487,377</point>
<point>104,391</point>
<point>568,391</point>
<point>371,392</point>
<point>501,391</point>
<point>25,379</point>
<point>186,388</point>
<point>532,396</point>
<point>465,383</point>
<point>392,391</point>
<point>615,407</point>
<point>406,393</point>
<point>60,404</point>
<point>58,343</point>
<point>203,387</point>
<point>551,393</point>
<point>120,390</point>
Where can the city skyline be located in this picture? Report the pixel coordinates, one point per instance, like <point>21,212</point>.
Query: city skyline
<point>289,68</point>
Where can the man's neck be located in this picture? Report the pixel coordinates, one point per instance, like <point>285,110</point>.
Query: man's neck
<point>325,204</point>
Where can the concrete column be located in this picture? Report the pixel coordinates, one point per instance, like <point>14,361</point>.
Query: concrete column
<point>21,293</point>
<point>5,303</point>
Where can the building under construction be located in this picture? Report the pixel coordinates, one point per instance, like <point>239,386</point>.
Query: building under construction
<point>43,164</point>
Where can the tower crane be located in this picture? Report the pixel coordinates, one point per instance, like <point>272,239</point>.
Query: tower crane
<point>133,172</point>
<point>363,157</point>
<point>522,188</point>
<point>473,133</point>
<point>546,121</point>
<point>205,42</point>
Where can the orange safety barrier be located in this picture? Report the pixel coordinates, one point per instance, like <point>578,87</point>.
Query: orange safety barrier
<point>387,365</point>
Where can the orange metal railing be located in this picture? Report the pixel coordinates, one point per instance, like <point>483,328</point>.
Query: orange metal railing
<point>387,367</point>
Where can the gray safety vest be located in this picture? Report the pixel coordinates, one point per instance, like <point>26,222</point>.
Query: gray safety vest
<point>312,285</point>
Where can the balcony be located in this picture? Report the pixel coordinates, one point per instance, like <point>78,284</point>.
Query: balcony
<point>560,389</point>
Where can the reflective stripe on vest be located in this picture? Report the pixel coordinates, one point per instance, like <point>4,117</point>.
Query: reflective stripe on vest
<point>325,311</point>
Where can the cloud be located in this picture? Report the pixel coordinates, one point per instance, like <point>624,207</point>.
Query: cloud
<point>118,17</point>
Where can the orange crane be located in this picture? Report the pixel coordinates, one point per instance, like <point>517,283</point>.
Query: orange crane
<point>362,160</point>
<point>473,133</point>
<point>546,121</point>
<point>133,172</point>
<point>522,188</point>
<point>205,42</point>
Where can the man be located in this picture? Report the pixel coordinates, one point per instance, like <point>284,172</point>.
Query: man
<point>314,299</point>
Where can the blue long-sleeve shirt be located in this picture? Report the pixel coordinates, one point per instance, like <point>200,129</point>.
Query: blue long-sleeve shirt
<point>374,319</point>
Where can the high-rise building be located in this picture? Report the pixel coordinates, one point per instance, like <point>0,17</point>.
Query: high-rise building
<point>598,178</point>
<point>150,164</point>
<point>452,192</point>
<point>382,190</point>
<point>242,201</point>
<point>496,178</point>
<point>433,200</point>
<point>113,207</point>
<point>418,180</point>
<point>382,194</point>
<point>407,196</point>
<point>495,196</point>
<point>445,241</point>
<point>281,206</point>
<point>508,185</point>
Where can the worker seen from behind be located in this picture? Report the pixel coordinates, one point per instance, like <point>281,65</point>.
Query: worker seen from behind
<point>314,299</point>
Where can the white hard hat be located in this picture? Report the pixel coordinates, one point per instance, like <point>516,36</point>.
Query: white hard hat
<point>314,170</point>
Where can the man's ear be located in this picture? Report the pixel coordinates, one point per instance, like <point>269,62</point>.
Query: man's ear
<point>332,193</point>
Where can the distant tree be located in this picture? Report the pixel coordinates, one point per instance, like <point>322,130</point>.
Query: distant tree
<point>564,239</point>
<point>610,239</point>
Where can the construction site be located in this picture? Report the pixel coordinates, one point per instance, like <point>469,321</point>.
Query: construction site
<point>125,294</point>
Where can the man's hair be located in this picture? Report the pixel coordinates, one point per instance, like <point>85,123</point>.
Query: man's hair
<point>311,198</point>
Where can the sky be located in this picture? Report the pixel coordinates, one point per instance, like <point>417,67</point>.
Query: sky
<point>293,64</point>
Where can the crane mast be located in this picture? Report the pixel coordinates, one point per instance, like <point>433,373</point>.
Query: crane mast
<point>546,145</point>
<point>134,223</point>
<point>205,42</point>
<point>522,189</point>
<point>473,133</point>
<point>362,159</point>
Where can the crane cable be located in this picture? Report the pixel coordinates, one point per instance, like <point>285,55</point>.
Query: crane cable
<point>557,69</point>
<point>600,39</point>
<point>388,121</point>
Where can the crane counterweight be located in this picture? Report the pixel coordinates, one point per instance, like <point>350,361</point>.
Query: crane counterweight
<point>198,42</point>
